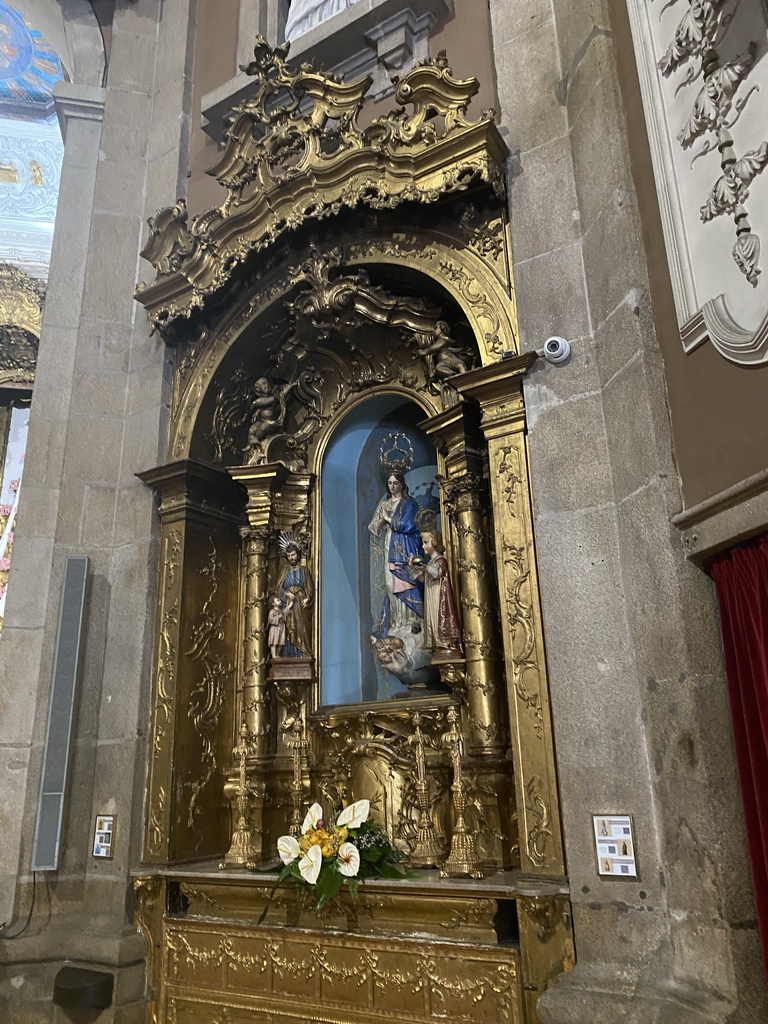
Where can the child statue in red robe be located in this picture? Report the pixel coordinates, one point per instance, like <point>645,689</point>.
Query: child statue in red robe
<point>441,619</point>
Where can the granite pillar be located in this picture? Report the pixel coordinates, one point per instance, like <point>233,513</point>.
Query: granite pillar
<point>637,684</point>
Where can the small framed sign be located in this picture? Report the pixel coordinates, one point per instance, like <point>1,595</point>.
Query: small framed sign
<point>104,835</point>
<point>615,845</point>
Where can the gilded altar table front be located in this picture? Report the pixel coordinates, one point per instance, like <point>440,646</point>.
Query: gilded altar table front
<point>413,952</point>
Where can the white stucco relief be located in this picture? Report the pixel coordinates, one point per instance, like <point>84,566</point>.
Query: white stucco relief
<point>703,68</point>
<point>304,15</point>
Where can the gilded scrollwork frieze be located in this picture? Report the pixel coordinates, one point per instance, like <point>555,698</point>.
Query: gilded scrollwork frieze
<point>486,237</point>
<point>273,187</point>
<point>540,831</point>
<point>169,627</point>
<point>21,318</point>
<point>519,618</point>
<point>485,310</point>
<point>156,820</point>
<point>149,892</point>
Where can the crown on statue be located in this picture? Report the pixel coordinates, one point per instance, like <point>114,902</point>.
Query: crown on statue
<point>396,453</point>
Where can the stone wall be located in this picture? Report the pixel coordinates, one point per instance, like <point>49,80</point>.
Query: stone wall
<point>637,681</point>
<point>99,415</point>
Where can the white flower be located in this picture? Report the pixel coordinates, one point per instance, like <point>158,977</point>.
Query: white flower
<point>354,815</point>
<point>349,860</point>
<point>288,848</point>
<point>314,814</point>
<point>310,864</point>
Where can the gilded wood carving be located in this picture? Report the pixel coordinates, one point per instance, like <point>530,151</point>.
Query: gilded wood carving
<point>294,319</point>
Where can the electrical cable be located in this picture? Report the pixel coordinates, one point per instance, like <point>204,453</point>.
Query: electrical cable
<point>19,933</point>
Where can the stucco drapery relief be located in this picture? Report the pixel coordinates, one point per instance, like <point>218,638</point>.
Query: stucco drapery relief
<point>704,78</point>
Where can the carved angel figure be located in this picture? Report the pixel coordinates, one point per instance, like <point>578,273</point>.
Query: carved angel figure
<point>268,404</point>
<point>442,353</point>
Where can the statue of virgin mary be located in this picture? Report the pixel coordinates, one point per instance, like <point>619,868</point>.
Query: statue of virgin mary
<point>395,517</point>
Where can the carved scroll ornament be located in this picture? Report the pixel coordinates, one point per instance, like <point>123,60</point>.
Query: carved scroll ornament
<point>295,152</point>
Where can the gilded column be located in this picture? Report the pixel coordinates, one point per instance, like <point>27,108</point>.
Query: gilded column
<point>498,391</point>
<point>457,436</point>
<point>464,498</point>
<point>262,483</point>
<point>254,677</point>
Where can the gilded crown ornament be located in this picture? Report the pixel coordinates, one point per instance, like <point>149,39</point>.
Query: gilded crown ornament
<point>396,453</point>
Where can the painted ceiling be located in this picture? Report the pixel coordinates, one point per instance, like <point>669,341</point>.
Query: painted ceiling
<point>30,143</point>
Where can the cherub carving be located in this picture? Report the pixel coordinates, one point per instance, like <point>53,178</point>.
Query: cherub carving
<point>442,353</point>
<point>269,407</point>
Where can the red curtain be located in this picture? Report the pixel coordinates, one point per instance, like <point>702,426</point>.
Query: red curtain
<point>741,576</point>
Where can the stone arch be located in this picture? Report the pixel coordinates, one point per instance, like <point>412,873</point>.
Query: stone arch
<point>71,28</point>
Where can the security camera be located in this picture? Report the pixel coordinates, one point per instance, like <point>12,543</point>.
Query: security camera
<point>556,350</point>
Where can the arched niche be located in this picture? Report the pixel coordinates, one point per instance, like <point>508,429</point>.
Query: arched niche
<point>249,329</point>
<point>352,558</point>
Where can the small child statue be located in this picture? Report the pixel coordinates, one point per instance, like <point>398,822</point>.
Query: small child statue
<point>276,619</point>
<point>441,618</point>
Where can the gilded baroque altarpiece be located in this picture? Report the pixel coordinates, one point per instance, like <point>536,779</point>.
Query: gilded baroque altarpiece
<point>343,328</point>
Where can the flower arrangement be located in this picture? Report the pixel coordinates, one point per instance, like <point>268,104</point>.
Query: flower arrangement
<point>329,855</point>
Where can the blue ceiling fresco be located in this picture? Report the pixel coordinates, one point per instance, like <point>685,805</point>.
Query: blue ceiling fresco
<point>31,150</point>
<point>29,69</point>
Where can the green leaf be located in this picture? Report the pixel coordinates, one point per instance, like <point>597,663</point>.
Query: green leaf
<point>372,854</point>
<point>329,882</point>
<point>285,871</point>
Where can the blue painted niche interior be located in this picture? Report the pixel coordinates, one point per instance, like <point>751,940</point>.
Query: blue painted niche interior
<point>352,483</point>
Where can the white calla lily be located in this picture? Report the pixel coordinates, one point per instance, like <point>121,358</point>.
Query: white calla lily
<point>349,860</point>
<point>354,815</point>
<point>310,864</point>
<point>288,848</point>
<point>314,814</point>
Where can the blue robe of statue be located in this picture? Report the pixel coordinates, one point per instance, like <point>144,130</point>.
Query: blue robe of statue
<point>405,540</point>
